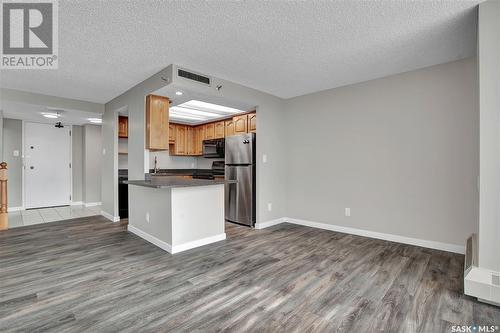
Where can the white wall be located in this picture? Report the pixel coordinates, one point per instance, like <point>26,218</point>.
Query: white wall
<point>92,163</point>
<point>77,162</point>
<point>401,152</point>
<point>489,100</point>
<point>165,161</point>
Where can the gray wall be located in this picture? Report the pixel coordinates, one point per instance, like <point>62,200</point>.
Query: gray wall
<point>12,140</point>
<point>92,163</point>
<point>401,152</point>
<point>77,162</point>
<point>489,83</point>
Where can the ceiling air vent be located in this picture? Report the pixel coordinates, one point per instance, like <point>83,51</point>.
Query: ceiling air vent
<point>193,76</point>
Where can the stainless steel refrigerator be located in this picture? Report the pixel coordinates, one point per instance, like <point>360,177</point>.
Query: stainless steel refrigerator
<point>240,166</point>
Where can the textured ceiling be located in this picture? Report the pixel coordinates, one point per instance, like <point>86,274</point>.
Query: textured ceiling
<point>285,48</point>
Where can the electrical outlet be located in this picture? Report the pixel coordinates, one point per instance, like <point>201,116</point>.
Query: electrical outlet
<point>348,212</point>
<point>269,206</point>
<point>147,217</point>
<point>192,165</point>
<point>15,153</point>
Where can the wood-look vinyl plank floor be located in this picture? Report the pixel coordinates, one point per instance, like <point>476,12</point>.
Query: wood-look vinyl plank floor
<point>89,274</point>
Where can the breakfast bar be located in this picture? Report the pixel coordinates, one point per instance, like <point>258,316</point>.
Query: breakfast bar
<point>177,213</point>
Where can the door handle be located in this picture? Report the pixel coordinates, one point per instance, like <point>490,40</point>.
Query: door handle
<point>32,167</point>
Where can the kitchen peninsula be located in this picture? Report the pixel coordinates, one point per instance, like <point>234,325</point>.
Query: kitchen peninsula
<point>177,213</point>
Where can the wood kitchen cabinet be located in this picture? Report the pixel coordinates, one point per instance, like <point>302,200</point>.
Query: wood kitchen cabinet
<point>240,124</point>
<point>180,146</point>
<point>171,133</point>
<point>190,140</point>
<point>199,137</point>
<point>219,130</point>
<point>157,125</point>
<point>252,122</point>
<point>228,128</point>
<point>122,127</point>
<point>210,131</point>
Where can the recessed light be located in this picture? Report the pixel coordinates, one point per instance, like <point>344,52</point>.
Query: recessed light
<point>179,93</point>
<point>95,120</point>
<point>50,115</point>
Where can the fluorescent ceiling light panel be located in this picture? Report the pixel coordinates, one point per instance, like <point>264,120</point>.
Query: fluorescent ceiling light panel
<point>181,110</point>
<point>95,120</point>
<point>183,116</point>
<point>50,115</point>
<point>204,106</point>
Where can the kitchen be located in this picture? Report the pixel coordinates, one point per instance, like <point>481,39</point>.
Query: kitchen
<point>201,155</point>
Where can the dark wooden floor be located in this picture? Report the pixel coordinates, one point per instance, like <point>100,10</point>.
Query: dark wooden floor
<point>91,275</point>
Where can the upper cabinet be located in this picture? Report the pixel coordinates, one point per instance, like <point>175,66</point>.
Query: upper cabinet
<point>240,124</point>
<point>171,133</point>
<point>122,127</point>
<point>199,137</point>
<point>157,125</point>
<point>180,147</point>
<point>252,122</point>
<point>210,131</point>
<point>190,139</point>
<point>228,127</point>
<point>219,130</point>
<point>187,140</point>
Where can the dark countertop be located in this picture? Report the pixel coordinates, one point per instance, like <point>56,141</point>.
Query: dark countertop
<point>171,182</point>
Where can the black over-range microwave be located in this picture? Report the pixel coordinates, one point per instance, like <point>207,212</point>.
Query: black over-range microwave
<point>213,148</point>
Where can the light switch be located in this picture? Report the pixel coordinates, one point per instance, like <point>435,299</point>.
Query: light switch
<point>104,151</point>
<point>264,158</point>
<point>15,153</point>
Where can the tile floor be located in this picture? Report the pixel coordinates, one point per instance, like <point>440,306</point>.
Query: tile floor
<point>45,215</point>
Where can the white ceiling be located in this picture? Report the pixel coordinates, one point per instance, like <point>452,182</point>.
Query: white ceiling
<point>286,48</point>
<point>32,112</point>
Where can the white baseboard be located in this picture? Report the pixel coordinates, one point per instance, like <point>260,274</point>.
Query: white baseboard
<point>198,243</point>
<point>367,233</point>
<point>177,248</point>
<point>110,217</point>
<point>14,209</point>
<point>92,204</point>
<point>76,203</point>
<point>268,224</point>
<point>152,239</point>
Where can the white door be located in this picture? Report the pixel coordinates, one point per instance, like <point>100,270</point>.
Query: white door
<point>47,168</point>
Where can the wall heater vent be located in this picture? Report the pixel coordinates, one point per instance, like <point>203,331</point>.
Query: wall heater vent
<point>495,279</point>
